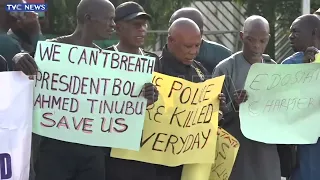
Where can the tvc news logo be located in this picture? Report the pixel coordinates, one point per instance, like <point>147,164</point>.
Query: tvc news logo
<point>26,7</point>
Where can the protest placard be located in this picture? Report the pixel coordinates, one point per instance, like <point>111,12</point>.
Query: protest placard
<point>181,127</point>
<point>226,153</point>
<point>15,125</point>
<point>90,96</point>
<point>283,104</point>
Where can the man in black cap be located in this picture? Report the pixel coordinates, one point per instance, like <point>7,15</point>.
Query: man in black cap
<point>131,27</point>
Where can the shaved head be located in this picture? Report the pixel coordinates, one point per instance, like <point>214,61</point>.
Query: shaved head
<point>305,32</point>
<point>184,40</point>
<point>188,12</point>
<point>255,37</point>
<point>310,21</point>
<point>93,8</point>
<point>256,23</point>
<point>96,17</point>
<point>183,26</point>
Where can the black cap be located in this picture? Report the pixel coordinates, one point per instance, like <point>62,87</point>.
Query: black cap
<point>130,10</point>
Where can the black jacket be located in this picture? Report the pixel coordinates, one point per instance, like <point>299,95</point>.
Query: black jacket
<point>169,65</point>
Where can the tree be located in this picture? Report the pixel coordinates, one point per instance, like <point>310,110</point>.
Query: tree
<point>280,12</point>
<point>61,17</point>
<point>62,20</point>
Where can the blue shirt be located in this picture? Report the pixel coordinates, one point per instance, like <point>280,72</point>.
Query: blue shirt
<point>308,154</point>
<point>296,58</point>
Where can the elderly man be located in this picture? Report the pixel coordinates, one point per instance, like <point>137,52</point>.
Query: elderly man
<point>255,160</point>
<point>177,60</point>
<point>210,53</point>
<point>63,160</point>
<point>305,40</point>
<point>303,35</point>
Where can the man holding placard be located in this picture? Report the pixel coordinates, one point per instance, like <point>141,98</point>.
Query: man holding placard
<point>255,160</point>
<point>60,160</point>
<point>131,27</point>
<point>305,41</point>
<point>177,60</point>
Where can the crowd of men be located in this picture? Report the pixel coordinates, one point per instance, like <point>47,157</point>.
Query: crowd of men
<point>186,55</point>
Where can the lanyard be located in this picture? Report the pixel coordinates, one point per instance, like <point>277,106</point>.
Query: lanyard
<point>116,49</point>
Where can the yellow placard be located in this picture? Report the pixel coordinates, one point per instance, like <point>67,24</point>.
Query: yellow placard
<point>317,56</point>
<point>226,153</point>
<point>181,127</point>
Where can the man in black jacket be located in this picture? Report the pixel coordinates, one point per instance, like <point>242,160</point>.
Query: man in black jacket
<point>177,59</point>
<point>131,27</point>
<point>210,53</point>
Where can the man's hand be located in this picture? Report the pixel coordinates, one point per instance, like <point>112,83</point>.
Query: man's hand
<point>25,63</point>
<point>222,99</point>
<point>309,54</point>
<point>240,96</point>
<point>151,93</point>
<point>30,23</point>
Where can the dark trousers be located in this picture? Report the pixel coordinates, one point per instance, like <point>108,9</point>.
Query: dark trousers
<point>169,173</point>
<point>60,160</point>
<point>119,169</point>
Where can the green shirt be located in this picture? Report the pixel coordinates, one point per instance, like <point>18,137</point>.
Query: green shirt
<point>10,45</point>
<point>211,53</point>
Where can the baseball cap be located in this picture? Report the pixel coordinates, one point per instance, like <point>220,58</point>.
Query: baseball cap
<point>130,10</point>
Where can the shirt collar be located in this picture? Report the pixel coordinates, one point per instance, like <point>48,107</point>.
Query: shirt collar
<point>168,57</point>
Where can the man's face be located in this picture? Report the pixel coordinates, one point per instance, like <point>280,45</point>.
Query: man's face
<point>134,31</point>
<point>300,37</point>
<point>103,25</point>
<point>6,20</point>
<point>185,46</point>
<point>255,42</point>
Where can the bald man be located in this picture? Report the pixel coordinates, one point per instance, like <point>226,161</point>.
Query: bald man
<point>303,34</point>
<point>305,41</point>
<point>210,53</point>
<point>255,160</point>
<point>60,160</point>
<point>177,60</point>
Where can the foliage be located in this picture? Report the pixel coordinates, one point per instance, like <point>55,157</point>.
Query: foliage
<point>62,19</point>
<point>62,13</point>
<point>281,12</point>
